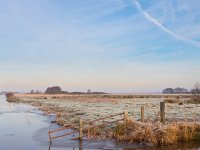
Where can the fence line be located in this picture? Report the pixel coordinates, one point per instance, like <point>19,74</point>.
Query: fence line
<point>102,121</point>
<point>61,129</point>
<point>91,123</point>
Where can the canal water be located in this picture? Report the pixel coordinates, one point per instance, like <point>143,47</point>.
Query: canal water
<point>24,127</point>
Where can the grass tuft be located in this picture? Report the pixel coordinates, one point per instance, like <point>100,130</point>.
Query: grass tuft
<point>156,133</point>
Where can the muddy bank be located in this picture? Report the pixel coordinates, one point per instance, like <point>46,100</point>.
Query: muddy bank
<point>70,108</point>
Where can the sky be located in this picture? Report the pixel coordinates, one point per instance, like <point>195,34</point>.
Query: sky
<point>103,45</point>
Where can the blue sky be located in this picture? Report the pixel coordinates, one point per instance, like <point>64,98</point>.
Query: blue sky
<point>107,45</point>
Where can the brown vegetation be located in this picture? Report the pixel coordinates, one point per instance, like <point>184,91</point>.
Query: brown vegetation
<point>156,133</point>
<point>193,101</point>
<point>171,100</point>
<point>11,97</point>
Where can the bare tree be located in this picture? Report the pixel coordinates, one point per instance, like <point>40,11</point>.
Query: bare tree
<point>196,93</point>
<point>38,92</point>
<point>32,92</point>
<point>197,88</point>
<point>88,91</point>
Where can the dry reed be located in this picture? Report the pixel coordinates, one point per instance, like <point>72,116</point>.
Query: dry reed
<point>157,133</point>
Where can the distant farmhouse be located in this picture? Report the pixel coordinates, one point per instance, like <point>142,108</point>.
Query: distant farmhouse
<point>177,90</point>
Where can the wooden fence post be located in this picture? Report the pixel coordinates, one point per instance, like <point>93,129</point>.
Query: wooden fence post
<point>50,138</point>
<point>125,116</point>
<point>80,129</point>
<point>162,112</point>
<point>80,145</point>
<point>142,114</point>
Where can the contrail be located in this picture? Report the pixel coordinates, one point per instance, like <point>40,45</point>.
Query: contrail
<point>161,26</point>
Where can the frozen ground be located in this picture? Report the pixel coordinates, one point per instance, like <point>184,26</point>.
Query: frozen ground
<point>70,108</point>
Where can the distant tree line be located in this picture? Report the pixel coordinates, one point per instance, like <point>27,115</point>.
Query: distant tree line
<point>178,90</point>
<point>55,90</point>
<point>58,90</point>
<point>35,92</point>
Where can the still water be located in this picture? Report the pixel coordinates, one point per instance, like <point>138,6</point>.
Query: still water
<point>24,127</point>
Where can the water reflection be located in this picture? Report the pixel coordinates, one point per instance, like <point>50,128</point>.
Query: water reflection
<point>188,146</point>
<point>120,146</point>
<point>80,146</point>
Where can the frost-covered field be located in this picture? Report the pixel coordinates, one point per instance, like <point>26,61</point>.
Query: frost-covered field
<point>69,108</point>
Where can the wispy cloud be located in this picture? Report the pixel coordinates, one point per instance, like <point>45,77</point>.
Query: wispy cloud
<point>162,27</point>
<point>93,44</point>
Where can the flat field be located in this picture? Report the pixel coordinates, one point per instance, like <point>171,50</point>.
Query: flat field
<point>70,108</point>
